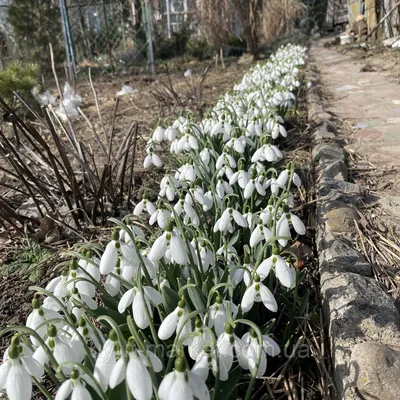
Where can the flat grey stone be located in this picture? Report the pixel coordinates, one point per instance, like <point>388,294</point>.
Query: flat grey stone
<point>375,370</point>
<point>340,190</point>
<point>338,217</point>
<point>340,256</point>
<point>327,153</point>
<point>337,171</point>
<point>323,135</point>
<point>356,310</point>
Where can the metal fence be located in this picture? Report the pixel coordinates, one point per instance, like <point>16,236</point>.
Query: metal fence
<point>106,33</point>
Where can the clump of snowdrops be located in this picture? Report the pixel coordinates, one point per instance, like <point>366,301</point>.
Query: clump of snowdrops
<point>182,302</point>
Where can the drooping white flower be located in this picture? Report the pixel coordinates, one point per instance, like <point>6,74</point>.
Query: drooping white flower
<point>283,227</point>
<point>74,387</point>
<point>182,384</point>
<point>152,158</point>
<point>258,292</point>
<point>16,372</point>
<point>37,318</point>
<point>283,271</point>
<point>175,322</point>
<point>227,217</point>
<point>135,372</point>
<point>64,349</point>
<point>139,302</point>
<point>206,361</point>
<point>251,347</point>
<point>106,360</point>
<point>199,342</point>
<point>260,232</point>
<point>144,206</point>
<point>218,314</point>
<point>169,240</point>
<point>227,342</point>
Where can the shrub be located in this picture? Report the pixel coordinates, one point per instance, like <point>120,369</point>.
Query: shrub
<point>18,77</point>
<point>35,25</point>
<point>165,48</point>
<point>199,48</point>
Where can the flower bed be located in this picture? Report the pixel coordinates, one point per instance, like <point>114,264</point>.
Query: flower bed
<point>188,310</point>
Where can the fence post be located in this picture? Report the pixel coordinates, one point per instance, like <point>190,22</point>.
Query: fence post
<point>168,18</point>
<point>108,36</point>
<point>69,46</point>
<point>149,37</point>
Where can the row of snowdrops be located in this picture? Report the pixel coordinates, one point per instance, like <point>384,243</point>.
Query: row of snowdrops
<point>182,302</point>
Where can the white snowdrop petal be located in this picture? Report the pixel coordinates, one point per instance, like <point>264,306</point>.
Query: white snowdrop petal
<point>138,379</point>
<point>268,299</point>
<point>64,390</point>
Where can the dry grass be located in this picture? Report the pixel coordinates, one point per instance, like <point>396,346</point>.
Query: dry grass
<point>278,16</point>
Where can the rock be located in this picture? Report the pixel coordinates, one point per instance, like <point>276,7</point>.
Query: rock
<point>375,370</point>
<point>325,153</point>
<point>29,210</point>
<point>320,117</point>
<point>356,310</point>
<point>338,190</point>
<point>340,256</point>
<point>245,59</point>
<point>389,42</point>
<point>337,171</point>
<point>341,219</point>
<point>323,135</point>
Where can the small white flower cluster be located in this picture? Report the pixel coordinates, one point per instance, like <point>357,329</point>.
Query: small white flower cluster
<point>202,284</point>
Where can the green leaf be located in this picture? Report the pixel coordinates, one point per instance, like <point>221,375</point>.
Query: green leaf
<point>227,389</point>
<point>171,299</point>
<point>303,305</point>
<point>119,392</point>
<point>197,298</point>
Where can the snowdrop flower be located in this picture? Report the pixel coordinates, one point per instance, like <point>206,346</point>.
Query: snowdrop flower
<point>169,240</point>
<point>225,159</point>
<point>109,258</point>
<point>161,216</point>
<point>16,372</point>
<point>182,384</point>
<point>106,360</point>
<point>207,361</point>
<point>188,73</point>
<point>261,232</point>
<point>222,188</point>
<point>226,343</point>
<point>111,284</point>
<point>218,314</point>
<point>260,293</point>
<point>152,158</point>
<point>36,319</point>
<point>175,322</point>
<point>283,271</point>
<point>168,187</point>
<point>58,285</point>
<point>186,143</point>
<point>283,228</point>
<point>136,373</point>
<point>159,134</point>
<point>227,217</point>
<point>170,133</point>
<point>199,342</point>
<point>241,177</point>
<point>252,185</point>
<point>267,152</point>
<point>276,185</point>
<point>251,347</point>
<point>238,144</point>
<point>222,127</point>
<point>144,206</point>
<point>62,347</point>
<point>182,206</point>
<point>75,387</point>
<point>139,303</point>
